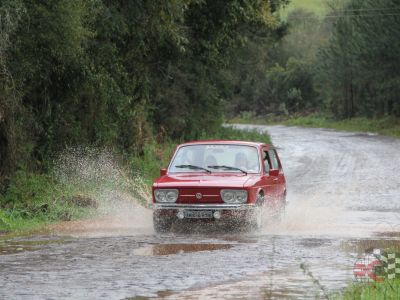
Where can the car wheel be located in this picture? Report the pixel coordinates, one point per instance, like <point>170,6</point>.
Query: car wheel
<point>161,224</point>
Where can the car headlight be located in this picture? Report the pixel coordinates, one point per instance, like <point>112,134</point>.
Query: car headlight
<point>234,196</point>
<point>165,195</point>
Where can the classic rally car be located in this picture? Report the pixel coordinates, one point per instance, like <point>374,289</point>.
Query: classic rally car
<point>219,181</point>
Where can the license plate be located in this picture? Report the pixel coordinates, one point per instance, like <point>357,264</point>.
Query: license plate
<point>198,214</point>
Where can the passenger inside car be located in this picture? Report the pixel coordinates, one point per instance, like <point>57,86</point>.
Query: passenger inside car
<point>241,161</point>
<point>210,161</point>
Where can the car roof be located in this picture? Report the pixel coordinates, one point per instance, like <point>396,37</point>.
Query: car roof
<point>226,142</point>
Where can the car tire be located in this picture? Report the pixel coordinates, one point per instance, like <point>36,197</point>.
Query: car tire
<point>161,224</point>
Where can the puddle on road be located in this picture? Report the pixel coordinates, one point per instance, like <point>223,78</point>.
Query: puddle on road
<point>169,249</point>
<point>314,242</point>
<point>133,222</point>
<point>239,239</point>
<point>12,247</point>
<point>256,286</point>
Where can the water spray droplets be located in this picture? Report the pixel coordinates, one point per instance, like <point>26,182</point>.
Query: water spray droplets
<point>120,194</point>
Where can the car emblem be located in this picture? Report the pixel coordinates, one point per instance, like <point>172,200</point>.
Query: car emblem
<point>199,195</point>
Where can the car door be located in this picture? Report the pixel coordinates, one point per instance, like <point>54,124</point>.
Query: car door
<point>279,178</point>
<point>269,182</point>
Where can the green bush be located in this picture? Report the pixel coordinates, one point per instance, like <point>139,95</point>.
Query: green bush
<point>4,222</point>
<point>28,193</point>
<point>155,156</point>
<point>37,198</point>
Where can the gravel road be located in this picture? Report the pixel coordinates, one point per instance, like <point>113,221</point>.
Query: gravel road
<point>344,197</point>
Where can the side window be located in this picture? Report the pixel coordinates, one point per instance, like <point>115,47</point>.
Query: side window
<point>274,159</point>
<point>266,160</point>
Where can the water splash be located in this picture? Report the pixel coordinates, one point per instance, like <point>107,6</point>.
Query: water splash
<point>122,197</point>
<point>306,216</point>
<point>323,215</point>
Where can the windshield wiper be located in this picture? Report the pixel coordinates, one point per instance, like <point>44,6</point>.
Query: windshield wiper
<point>227,168</point>
<point>192,167</point>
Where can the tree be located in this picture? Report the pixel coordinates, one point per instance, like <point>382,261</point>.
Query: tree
<point>117,73</point>
<point>359,69</point>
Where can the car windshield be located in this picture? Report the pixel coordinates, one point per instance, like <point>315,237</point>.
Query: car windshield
<point>216,158</point>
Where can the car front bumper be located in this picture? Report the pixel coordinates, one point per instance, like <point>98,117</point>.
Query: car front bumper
<point>218,211</point>
<point>181,206</point>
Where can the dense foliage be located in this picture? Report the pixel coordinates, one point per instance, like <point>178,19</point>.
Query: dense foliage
<point>345,63</point>
<point>117,73</point>
<point>279,78</point>
<point>359,71</point>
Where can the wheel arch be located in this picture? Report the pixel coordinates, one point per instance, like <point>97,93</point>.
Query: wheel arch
<point>260,192</point>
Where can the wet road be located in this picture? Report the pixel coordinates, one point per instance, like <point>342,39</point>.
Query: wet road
<point>344,197</point>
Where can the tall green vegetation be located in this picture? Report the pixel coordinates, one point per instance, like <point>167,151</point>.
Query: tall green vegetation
<point>116,73</point>
<point>345,63</point>
<point>359,70</point>
<point>278,79</point>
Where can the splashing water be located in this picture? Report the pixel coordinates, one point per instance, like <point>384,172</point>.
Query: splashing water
<point>306,217</point>
<point>122,199</point>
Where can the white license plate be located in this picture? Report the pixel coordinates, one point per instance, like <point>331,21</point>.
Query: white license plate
<point>198,214</point>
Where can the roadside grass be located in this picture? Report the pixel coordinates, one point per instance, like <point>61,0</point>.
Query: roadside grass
<point>387,290</point>
<point>34,200</point>
<point>387,126</point>
<point>13,222</point>
<point>17,224</point>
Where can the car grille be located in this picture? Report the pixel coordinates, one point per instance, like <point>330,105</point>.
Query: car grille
<point>210,195</point>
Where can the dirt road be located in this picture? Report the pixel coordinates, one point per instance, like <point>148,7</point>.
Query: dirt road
<point>344,197</point>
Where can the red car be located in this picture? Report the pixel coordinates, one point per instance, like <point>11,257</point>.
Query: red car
<point>219,181</point>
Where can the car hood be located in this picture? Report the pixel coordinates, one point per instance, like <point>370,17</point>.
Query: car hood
<point>206,180</point>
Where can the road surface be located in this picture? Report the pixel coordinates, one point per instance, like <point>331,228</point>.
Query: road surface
<point>343,193</point>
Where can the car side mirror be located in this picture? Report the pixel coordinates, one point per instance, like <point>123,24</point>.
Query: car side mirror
<point>274,172</point>
<point>163,172</point>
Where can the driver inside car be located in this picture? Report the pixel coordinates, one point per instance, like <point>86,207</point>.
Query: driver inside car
<point>210,161</point>
<point>241,161</point>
